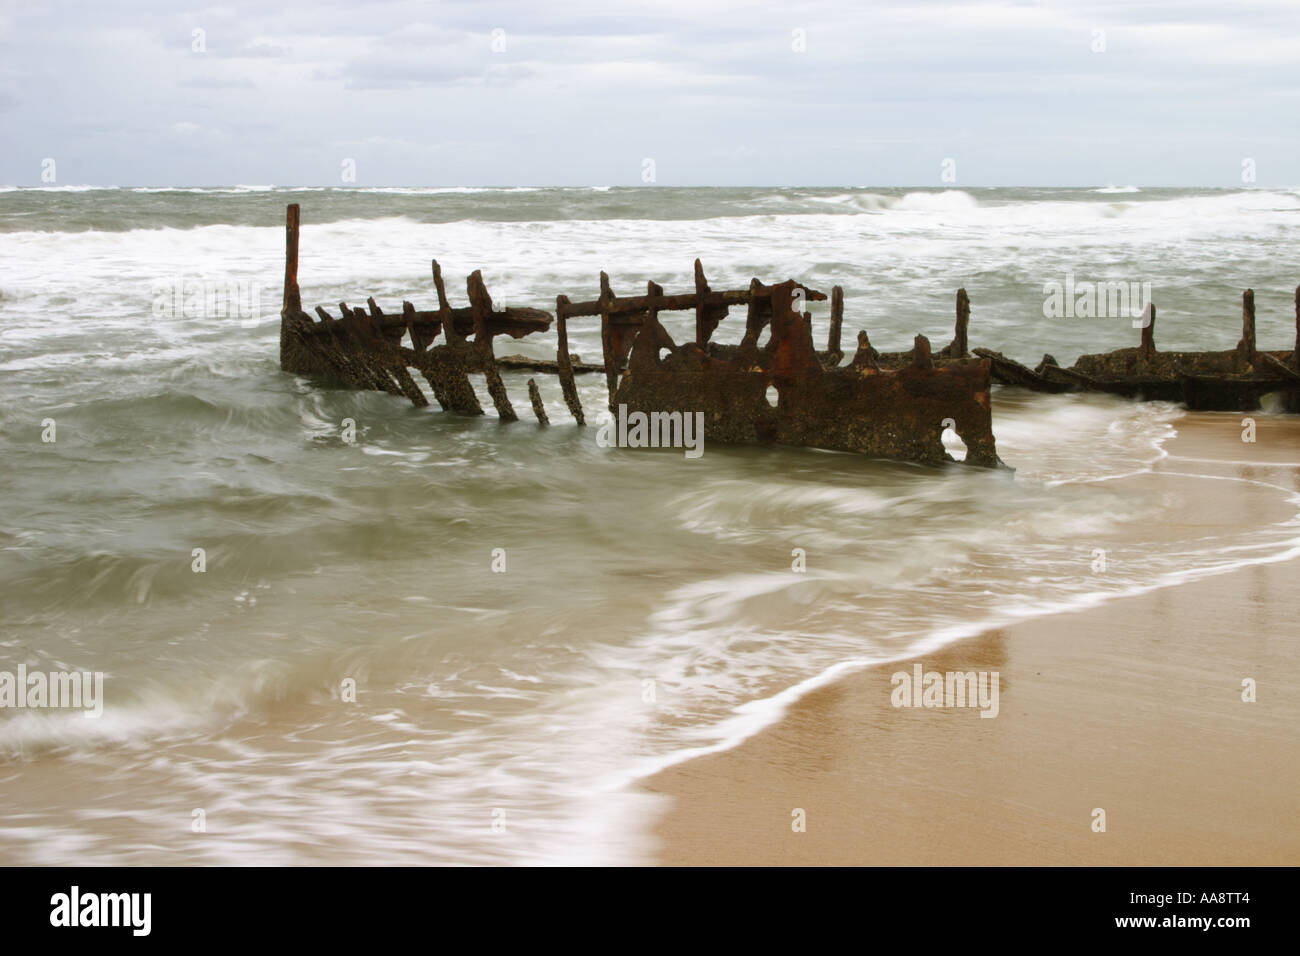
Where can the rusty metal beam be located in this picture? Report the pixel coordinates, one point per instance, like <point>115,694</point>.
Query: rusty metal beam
<point>564,361</point>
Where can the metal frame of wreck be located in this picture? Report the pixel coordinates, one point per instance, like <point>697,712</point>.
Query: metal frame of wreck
<point>1230,380</point>
<point>892,406</point>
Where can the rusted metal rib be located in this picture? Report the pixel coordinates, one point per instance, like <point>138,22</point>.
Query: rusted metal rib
<point>535,397</point>
<point>481,303</point>
<point>837,321</point>
<point>959,348</point>
<point>564,361</point>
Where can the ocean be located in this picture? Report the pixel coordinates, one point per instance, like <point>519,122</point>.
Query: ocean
<point>455,640</point>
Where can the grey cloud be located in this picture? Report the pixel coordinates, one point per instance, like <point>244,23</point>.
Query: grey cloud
<point>218,83</point>
<point>901,83</point>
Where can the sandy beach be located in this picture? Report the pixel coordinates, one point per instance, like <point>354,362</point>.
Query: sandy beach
<point>1134,707</point>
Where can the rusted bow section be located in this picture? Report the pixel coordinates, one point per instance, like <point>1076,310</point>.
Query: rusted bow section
<point>892,406</point>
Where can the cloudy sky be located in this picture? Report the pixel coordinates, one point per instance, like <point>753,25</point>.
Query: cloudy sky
<point>714,92</point>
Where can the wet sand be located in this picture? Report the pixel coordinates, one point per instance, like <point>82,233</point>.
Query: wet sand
<point>1133,707</point>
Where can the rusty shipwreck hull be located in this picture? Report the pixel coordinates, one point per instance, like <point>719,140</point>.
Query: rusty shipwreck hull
<point>890,412</point>
<point>1232,380</point>
<point>894,413</point>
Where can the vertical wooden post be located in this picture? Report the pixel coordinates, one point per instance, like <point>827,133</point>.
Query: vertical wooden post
<point>292,297</point>
<point>562,332</point>
<point>1148,348</point>
<point>865,356</point>
<point>607,338</point>
<point>481,306</point>
<point>1295,358</point>
<point>747,355</point>
<point>562,360</point>
<point>701,292</point>
<point>959,343</point>
<point>837,320</point>
<point>921,356</point>
<point>759,309</point>
<point>653,291</point>
<point>419,340</point>
<point>295,355</point>
<point>1247,343</point>
<point>449,331</point>
<point>536,398</point>
<point>447,372</point>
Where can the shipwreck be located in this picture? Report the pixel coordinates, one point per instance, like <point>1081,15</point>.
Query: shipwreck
<point>1235,379</point>
<point>885,406</point>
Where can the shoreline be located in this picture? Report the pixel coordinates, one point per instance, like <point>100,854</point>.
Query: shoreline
<point>1132,706</point>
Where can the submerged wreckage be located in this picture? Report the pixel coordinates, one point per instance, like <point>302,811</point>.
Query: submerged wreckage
<point>1233,380</point>
<point>891,412</point>
<point>890,405</point>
